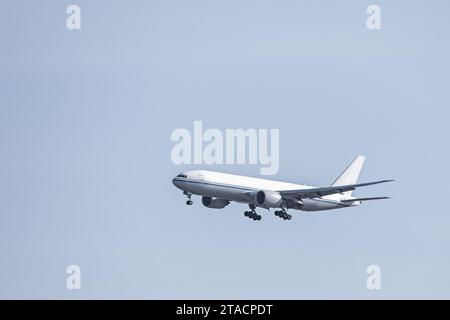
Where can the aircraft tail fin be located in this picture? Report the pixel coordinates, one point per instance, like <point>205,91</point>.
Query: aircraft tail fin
<point>350,174</point>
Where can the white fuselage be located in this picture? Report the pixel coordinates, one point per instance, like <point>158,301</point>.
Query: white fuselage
<point>242,189</point>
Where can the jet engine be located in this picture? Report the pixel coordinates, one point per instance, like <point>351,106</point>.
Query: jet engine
<point>214,203</point>
<point>299,203</point>
<point>268,199</point>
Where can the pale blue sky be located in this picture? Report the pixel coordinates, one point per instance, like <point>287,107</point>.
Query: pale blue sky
<point>85,124</point>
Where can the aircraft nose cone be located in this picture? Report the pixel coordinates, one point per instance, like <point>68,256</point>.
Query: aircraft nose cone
<point>175,182</point>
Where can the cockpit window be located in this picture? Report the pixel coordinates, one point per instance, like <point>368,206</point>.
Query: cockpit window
<point>182,176</point>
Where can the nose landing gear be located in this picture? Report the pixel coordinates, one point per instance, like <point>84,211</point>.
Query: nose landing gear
<point>189,201</point>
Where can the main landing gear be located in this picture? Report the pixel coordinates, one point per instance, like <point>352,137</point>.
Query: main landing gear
<point>189,201</point>
<point>252,214</point>
<point>283,214</point>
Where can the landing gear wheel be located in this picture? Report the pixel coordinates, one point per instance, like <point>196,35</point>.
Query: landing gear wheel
<point>252,215</point>
<point>283,215</point>
<point>189,201</point>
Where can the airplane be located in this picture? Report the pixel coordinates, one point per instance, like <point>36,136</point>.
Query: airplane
<point>219,189</point>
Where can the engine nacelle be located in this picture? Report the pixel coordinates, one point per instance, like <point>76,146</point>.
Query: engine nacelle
<point>268,199</point>
<point>214,203</point>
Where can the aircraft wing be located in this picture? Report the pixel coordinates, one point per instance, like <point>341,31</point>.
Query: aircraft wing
<point>325,191</point>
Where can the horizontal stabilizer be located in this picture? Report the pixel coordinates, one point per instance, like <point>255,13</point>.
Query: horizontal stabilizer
<point>364,199</point>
